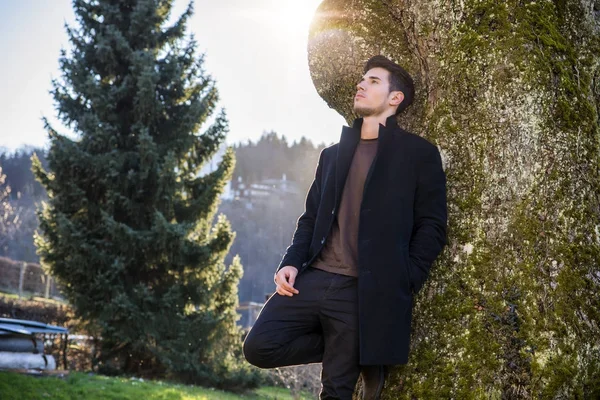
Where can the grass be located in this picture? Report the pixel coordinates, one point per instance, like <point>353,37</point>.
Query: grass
<point>81,386</point>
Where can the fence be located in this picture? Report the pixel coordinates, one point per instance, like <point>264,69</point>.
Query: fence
<point>26,278</point>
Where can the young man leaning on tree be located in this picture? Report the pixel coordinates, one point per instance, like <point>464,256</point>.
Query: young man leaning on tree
<point>374,222</point>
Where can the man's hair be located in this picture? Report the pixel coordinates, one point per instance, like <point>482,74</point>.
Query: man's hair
<point>399,79</point>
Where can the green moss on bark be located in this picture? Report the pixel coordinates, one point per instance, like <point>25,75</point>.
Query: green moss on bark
<point>509,92</point>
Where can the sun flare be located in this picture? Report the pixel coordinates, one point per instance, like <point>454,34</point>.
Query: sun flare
<point>297,15</point>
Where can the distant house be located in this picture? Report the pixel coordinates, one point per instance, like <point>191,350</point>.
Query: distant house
<point>267,188</point>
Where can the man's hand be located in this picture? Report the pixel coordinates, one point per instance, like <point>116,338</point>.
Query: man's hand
<point>284,279</point>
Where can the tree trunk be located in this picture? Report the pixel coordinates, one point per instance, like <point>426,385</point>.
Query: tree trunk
<point>509,92</point>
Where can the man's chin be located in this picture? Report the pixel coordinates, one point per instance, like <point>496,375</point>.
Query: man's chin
<point>363,112</point>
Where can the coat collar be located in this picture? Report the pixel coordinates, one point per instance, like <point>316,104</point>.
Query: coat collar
<point>391,123</point>
<point>348,143</point>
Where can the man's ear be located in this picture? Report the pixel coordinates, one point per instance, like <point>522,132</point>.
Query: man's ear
<point>397,98</point>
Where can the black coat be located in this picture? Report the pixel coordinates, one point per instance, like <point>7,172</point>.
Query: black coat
<point>402,230</point>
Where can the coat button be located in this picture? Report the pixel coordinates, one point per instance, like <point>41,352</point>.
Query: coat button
<point>322,240</point>
<point>333,211</point>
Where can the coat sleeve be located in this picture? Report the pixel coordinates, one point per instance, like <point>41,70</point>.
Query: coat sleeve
<point>430,217</point>
<point>297,252</point>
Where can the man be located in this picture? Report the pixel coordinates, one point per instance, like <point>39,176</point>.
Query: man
<point>374,222</point>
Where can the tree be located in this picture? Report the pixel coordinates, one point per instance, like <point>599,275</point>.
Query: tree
<point>271,157</point>
<point>25,194</point>
<point>128,228</point>
<point>8,216</point>
<point>17,167</point>
<point>509,92</point>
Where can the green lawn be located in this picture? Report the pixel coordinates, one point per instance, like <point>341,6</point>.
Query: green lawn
<point>81,386</point>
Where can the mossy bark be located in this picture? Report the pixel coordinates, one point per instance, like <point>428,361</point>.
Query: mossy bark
<point>509,91</point>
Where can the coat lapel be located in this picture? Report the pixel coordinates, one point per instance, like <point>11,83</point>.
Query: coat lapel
<point>348,143</point>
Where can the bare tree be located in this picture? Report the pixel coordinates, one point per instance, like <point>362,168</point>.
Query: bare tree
<point>9,215</point>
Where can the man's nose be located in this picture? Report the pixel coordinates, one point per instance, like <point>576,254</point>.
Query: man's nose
<point>359,86</point>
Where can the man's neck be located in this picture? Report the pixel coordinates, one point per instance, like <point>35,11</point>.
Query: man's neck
<point>370,126</point>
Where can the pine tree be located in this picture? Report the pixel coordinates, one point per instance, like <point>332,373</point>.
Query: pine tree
<point>128,228</point>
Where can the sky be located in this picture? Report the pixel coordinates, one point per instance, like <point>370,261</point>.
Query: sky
<point>254,49</point>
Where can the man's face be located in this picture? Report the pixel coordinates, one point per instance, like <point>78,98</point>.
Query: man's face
<point>373,96</point>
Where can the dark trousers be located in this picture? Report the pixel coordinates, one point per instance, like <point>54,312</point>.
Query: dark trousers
<point>319,324</point>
